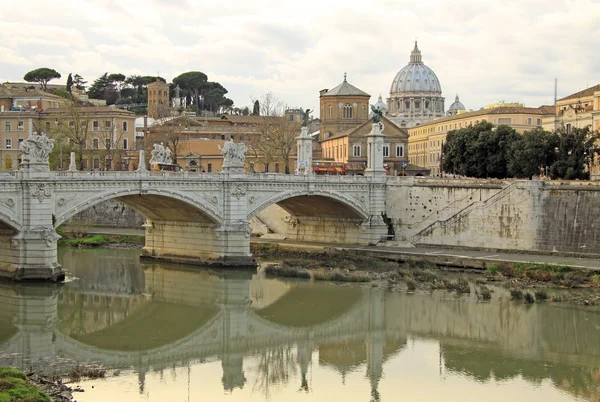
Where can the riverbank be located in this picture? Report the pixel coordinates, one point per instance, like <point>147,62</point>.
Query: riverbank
<point>103,240</point>
<point>16,386</point>
<point>527,282</point>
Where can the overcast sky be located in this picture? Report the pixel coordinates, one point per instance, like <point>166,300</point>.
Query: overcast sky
<point>485,51</point>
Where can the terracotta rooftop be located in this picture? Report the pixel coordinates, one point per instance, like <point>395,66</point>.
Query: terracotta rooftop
<point>581,94</point>
<point>6,92</point>
<point>90,109</point>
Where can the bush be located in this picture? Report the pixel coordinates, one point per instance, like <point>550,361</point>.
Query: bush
<point>529,299</point>
<point>337,275</point>
<point>411,285</point>
<point>540,295</point>
<point>516,294</point>
<point>493,270</point>
<point>485,293</point>
<point>286,271</point>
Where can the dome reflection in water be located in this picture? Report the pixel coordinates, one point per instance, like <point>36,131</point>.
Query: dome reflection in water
<point>179,333</point>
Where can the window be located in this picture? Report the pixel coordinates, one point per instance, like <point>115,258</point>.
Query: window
<point>209,169</point>
<point>504,120</point>
<point>84,164</point>
<point>125,143</point>
<point>95,143</point>
<point>108,164</point>
<point>7,126</point>
<point>21,140</point>
<point>529,120</point>
<point>329,111</point>
<point>364,112</point>
<point>96,163</point>
<point>539,122</point>
<point>386,150</point>
<point>124,126</point>
<point>356,150</point>
<point>568,129</point>
<point>407,104</point>
<point>291,117</point>
<point>347,111</point>
<point>21,125</point>
<point>276,167</point>
<point>399,150</point>
<point>107,143</point>
<point>47,126</point>
<point>8,143</point>
<point>107,124</point>
<point>95,125</point>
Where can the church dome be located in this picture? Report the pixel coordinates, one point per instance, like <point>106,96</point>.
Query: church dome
<point>381,105</point>
<point>456,106</point>
<point>416,77</point>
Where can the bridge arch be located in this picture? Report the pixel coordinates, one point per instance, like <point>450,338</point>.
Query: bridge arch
<point>154,204</point>
<point>324,203</point>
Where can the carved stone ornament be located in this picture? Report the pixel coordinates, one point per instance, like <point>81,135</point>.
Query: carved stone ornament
<point>238,192</point>
<point>40,191</point>
<point>234,155</point>
<point>36,149</point>
<point>161,154</point>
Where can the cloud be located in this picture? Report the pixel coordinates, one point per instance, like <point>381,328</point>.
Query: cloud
<point>484,51</point>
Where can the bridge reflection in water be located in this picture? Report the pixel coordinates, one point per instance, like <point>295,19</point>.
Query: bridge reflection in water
<point>152,317</point>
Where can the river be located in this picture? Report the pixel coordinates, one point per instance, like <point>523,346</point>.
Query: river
<point>171,332</point>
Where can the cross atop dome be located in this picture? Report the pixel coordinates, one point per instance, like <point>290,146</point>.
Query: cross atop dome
<point>415,55</point>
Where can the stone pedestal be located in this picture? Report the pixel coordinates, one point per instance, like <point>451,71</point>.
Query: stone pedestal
<point>375,152</point>
<point>304,152</point>
<point>72,163</point>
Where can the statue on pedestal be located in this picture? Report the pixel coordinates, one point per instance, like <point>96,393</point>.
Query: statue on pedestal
<point>305,117</point>
<point>234,155</point>
<point>377,113</point>
<point>36,148</point>
<point>160,154</point>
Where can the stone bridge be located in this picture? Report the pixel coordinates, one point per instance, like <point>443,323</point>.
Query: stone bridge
<point>191,217</point>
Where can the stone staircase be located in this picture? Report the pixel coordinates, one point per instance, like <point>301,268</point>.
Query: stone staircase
<point>445,223</point>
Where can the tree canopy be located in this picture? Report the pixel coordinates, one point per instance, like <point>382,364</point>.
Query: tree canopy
<point>42,76</point>
<point>485,151</point>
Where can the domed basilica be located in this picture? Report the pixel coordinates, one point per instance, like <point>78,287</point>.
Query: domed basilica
<point>416,94</point>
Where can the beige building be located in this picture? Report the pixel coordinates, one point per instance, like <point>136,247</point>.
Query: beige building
<point>20,99</point>
<point>342,108</point>
<point>578,110</point>
<point>107,136</point>
<point>426,140</point>
<point>158,99</point>
<point>345,124</point>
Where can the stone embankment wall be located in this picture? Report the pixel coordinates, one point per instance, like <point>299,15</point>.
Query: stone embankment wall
<point>551,216</point>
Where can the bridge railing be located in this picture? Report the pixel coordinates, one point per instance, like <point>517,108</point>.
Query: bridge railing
<point>201,176</point>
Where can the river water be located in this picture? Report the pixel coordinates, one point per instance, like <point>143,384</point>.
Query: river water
<point>167,332</point>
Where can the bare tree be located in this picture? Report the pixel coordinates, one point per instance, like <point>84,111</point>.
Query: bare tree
<point>72,131</point>
<point>276,140</point>
<point>170,133</point>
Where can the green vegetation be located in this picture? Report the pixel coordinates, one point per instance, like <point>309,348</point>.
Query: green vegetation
<point>488,151</point>
<point>15,386</point>
<point>101,240</point>
<point>41,76</point>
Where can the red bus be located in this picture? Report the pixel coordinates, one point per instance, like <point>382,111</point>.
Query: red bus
<point>328,167</point>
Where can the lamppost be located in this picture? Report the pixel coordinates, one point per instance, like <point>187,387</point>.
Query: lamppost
<point>60,156</point>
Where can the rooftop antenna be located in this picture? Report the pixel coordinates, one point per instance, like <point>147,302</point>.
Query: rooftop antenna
<point>555,90</point>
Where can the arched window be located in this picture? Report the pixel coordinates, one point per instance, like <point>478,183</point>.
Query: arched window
<point>330,111</point>
<point>364,112</point>
<point>347,111</point>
